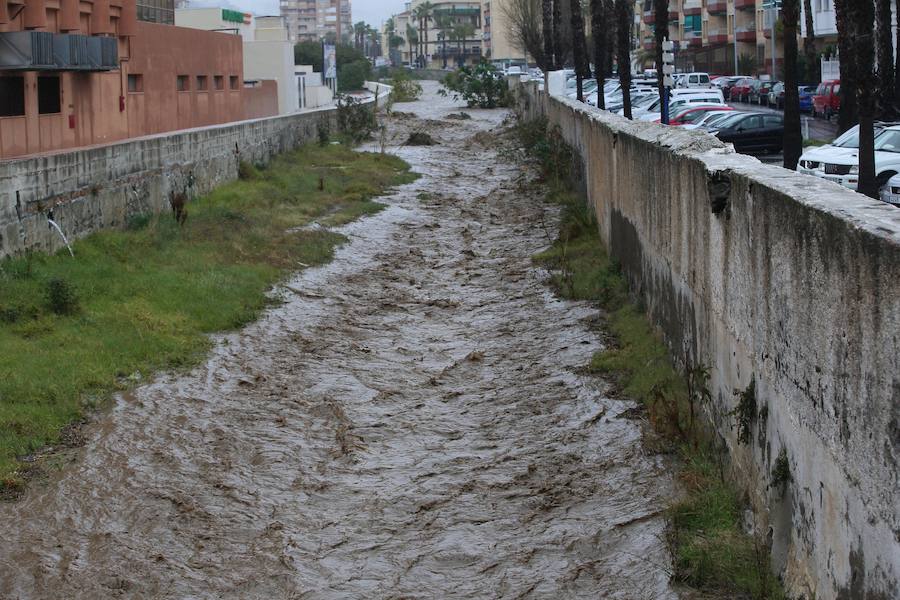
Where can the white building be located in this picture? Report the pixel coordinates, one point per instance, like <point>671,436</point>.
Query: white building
<point>270,55</point>
<point>216,19</point>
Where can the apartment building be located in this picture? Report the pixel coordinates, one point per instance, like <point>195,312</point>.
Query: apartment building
<point>315,20</point>
<point>497,33</point>
<point>453,31</point>
<point>717,36</point>
<point>81,73</point>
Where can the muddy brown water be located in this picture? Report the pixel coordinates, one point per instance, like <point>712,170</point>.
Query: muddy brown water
<point>412,422</point>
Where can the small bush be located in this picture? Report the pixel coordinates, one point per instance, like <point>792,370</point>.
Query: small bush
<point>247,172</point>
<point>480,86</point>
<point>405,89</point>
<point>61,296</point>
<point>323,131</point>
<point>356,120</point>
<point>745,412</point>
<point>138,222</point>
<point>352,76</point>
<point>781,471</point>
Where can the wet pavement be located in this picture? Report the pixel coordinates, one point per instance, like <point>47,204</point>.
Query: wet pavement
<point>412,422</point>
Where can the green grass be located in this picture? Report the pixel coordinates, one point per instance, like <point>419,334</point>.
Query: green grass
<point>146,297</point>
<point>711,552</point>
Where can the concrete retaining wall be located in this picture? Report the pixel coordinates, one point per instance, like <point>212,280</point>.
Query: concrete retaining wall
<point>785,280</point>
<point>97,187</point>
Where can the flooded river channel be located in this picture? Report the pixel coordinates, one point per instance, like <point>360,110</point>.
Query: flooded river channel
<point>412,422</point>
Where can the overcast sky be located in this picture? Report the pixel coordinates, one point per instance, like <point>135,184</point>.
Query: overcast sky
<point>372,12</point>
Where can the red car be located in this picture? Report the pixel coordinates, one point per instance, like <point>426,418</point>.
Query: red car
<point>688,116</point>
<point>740,91</point>
<point>827,100</point>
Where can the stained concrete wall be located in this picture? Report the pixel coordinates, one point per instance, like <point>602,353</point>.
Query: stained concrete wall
<point>783,279</point>
<point>102,186</point>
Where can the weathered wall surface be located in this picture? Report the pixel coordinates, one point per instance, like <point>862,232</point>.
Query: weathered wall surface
<point>785,280</point>
<point>98,187</point>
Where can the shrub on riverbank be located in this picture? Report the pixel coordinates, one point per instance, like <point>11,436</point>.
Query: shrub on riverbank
<point>710,550</point>
<point>145,298</point>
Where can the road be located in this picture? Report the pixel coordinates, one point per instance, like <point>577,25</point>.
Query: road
<point>412,421</point>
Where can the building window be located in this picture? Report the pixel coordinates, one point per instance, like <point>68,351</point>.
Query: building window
<point>219,81</point>
<point>12,96</point>
<point>182,84</point>
<point>201,83</point>
<point>48,95</point>
<point>135,83</point>
<point>233,82</point>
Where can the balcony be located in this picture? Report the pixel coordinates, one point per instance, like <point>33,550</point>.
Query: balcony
<point>692,8</point>
<point>745,4</point>
<point>650,19</point>
<point>716,7</point>
<point>693,39</point>
<point>717,37</point>
<point>746,35</point>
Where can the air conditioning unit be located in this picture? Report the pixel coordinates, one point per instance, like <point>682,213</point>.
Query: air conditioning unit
<point>27,50</point>
<point>45,51</point>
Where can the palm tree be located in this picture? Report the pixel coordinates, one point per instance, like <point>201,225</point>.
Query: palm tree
<point>859,15</point>
<point>579,51</point>
<point>443,23</point>
<point>601,20</point>
<point>359,32</point>
<point>793,138</point>
<point>847,117</point>
<point>423,13</point>
<point>813,73</point>
<point>624,18</point>
<point>547,31</point>
<point>559,60</point>
<point>466,31</point>
<point>885,52</point>
<point>897,63</point>
<point>660,33</point>
<point>412,38</point>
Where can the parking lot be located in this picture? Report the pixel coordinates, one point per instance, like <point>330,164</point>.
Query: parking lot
<point>813,129</point>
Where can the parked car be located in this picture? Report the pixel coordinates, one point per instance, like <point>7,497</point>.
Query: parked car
<point>776,95</point>
<point>693,80</point>
<point>740,91</point>
<point>725,84</point>
<point>710,118</point>
<point>706,92</point>
<point>842,166</point>
<point>812,161</point>
<point>806,97</point>
<point>890,193</point>
<point>752,132</point>
<point>827,101</point>
<point>688,115</point>
<point>760,94</point>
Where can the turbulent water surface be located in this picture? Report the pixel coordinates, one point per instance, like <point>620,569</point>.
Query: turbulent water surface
<point>411,422</point>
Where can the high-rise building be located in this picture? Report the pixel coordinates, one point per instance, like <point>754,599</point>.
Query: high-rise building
<point>314,20</point>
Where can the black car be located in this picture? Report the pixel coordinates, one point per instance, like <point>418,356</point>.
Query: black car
<point>752,132</point>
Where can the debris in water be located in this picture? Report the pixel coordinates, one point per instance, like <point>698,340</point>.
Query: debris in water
<point>420,138</point>
<point>460,116</point>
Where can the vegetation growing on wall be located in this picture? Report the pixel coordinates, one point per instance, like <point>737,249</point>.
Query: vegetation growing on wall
<point>711,552</point>
<point>142,299</point>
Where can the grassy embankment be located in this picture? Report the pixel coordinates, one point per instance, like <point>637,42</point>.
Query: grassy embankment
<point>711,552</point>
<point>135,301</point>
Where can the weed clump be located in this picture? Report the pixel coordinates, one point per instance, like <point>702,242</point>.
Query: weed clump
<point>247,172</point>
<point>61,296</point>
<point>781,471</point>
<point>745,412</point>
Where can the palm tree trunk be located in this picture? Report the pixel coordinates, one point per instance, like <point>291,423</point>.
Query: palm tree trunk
<point>579,50</point>
<point>599,20</point>
<point>623,52</point>
<point>897,60</point>
<point>885,52</point>
<point>860,17</point>
<point>558,58</point>
<point>547,63</point>
<point>661,32</point>
<point>793,137</point>
<point>847,117</point>
<point>813,71</point>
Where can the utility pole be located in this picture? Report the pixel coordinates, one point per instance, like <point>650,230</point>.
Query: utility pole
<point>771,7</point>
<point>668,67</point>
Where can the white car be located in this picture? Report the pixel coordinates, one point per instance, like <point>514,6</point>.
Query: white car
<point>890,193</point>
<point>841,164</point>
<point>697,91</point>
<point>675,105</point>
<point>709,118</point>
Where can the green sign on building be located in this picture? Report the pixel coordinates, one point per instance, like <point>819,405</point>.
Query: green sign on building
<point>232,16</point>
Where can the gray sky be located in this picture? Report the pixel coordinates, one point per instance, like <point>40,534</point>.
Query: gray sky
<point>372,12</point>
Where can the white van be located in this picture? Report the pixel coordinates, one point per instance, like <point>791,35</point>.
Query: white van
<point>693,80</point>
